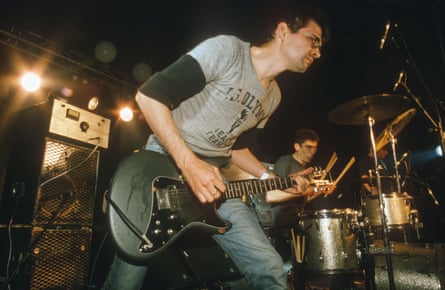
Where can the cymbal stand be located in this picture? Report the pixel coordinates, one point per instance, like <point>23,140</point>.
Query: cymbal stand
<point>393,142</point>
<point>387,250</point>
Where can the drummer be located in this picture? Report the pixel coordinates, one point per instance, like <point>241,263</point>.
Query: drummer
<point>284,214</point>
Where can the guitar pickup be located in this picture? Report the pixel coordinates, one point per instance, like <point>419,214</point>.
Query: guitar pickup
<point>167,198</point>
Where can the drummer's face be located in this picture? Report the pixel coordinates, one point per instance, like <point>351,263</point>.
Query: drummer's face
<point>306,150</point>
<point>382,153</point>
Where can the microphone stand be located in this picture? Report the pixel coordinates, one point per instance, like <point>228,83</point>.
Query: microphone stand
<point>410,60</point>
<point>387,246</point>
<point>436,125</point>
<point>393,142</point>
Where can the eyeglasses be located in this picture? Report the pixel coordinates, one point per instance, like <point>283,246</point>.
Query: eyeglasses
<point>315,40</point>
<point>310,147</point>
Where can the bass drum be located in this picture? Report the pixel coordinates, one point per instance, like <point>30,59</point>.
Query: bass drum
<point>331,240</point>
<point>415,266</point>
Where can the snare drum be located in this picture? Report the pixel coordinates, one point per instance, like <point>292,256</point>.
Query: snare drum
<point>397,210</point>
<point>331,240</point>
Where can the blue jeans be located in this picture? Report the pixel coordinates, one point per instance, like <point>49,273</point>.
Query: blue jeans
<point>249,248</point>
<point>245,243</point>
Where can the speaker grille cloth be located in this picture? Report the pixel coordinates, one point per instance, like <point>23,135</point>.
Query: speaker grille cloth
<point>60,258</point>
<point>67,185</point>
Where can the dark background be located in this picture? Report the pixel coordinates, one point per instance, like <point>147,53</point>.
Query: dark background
<point>60,38</point>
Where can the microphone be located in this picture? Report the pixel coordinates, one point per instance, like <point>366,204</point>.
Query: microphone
<point>399,80</point>
<point>404,155</point>
<point>385,35</point>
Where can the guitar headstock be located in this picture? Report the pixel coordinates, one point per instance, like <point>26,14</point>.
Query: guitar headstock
<point>319,182</point>
<point>317,173</point>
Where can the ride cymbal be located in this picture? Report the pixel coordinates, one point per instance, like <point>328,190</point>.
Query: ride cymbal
<point>379,107</point>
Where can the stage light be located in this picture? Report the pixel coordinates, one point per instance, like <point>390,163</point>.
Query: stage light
<point>30,82</point>
<point>423,157</point>
<point>438,150</point>
<point>126,114</point>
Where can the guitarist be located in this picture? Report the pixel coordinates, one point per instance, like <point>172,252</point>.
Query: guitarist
<point>198,106</point>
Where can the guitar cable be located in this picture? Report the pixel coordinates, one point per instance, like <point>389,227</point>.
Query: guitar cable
<point>126,221</point>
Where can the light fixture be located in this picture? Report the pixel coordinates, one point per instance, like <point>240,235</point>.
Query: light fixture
<point>30,82</point>
<point>93,103</point>
<point>126,114</point>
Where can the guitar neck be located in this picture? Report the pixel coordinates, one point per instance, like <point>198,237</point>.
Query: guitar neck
<point>241,188</point>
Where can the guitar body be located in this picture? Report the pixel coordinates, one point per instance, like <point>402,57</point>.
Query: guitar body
<point>150,206</point>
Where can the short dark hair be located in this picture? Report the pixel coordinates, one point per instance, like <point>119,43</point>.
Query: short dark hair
<point>304,135</point>
<point>299,14</point>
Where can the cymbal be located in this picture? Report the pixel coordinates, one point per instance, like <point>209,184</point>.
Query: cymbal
<point>372,179</point>
<point>394,128</point>
<point>379,107</point>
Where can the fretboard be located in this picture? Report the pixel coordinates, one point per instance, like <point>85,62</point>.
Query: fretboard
<point>240,188</point>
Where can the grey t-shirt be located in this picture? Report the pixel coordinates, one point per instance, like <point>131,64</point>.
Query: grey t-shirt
<point>284,215</point>
<point>232,101</point>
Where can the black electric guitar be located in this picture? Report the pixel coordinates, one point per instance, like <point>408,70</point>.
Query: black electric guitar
<point>150,205</point>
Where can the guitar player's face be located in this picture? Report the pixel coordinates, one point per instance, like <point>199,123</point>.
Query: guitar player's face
<point>305,152</point>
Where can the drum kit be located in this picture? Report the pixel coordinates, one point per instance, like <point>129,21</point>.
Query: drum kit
<point>368,247</point>
<point>361,246</point>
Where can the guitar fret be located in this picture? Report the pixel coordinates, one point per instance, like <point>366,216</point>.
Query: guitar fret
<point>227,194</point>
<point>255,185</point>
<point>244,188</point>
<point>249,187</point>
<point>239,188</point>
<point>232,192</point>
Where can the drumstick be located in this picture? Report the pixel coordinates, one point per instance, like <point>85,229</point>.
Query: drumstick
<point>350,163</point>
<point>330,164</point>
<point>296,245</point>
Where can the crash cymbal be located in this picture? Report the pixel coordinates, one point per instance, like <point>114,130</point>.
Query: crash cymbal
<point>357,111</point>
<point>394,128</point>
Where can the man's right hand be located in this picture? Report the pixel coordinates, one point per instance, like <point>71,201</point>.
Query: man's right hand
<point>204,179</point>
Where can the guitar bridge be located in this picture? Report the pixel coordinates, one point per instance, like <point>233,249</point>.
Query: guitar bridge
<point>167,198</point>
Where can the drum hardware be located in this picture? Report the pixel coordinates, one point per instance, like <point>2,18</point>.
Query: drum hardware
<point>368,110</point>
<point>373,249</point>
<point>415,222</point>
